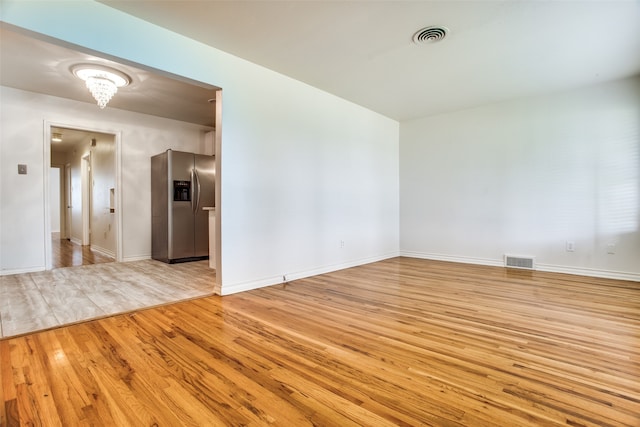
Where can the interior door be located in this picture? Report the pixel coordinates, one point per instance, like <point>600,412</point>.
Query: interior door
<point>55,197</point>
<point>87,189</point>
<point>67,201</point>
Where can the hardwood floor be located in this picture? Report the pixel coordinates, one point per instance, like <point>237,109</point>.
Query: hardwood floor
<point>68,254</point>
<point>398,342</point>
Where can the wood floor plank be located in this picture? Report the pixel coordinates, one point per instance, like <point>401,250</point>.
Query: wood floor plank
<point>398,342</point>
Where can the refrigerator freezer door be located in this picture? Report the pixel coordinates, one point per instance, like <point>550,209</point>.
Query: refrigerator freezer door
<point>205,167</point>
<point>181,218</point>
<point>160,194</point>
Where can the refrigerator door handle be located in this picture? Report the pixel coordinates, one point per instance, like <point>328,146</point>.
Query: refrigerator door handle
<point>197,189</point>
<point>193,190</point>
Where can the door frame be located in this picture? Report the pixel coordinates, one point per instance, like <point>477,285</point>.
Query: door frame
<point>117,136</point>
<point>217,143</point>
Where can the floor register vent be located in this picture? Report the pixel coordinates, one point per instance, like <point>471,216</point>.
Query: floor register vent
<point>513,261</point>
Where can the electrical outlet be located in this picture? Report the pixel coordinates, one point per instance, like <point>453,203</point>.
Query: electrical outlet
<point>341,243</point>
<point>611,248</point>
<point>571,246</point>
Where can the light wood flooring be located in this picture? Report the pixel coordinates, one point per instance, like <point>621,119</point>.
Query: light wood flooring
<point>399,342</point>
<point>46,299</point>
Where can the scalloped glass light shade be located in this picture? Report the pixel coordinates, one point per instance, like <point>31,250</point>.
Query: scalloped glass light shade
<point>101,81</point>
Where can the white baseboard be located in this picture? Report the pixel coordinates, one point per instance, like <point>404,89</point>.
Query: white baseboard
<point>103,251</point>
<point>76,241</point>
<point>551,268</point>
<point>136,258</point>
<point>452,258</point>
<point>22,270</point>
<point>591,272</point>
<point>269,281</point>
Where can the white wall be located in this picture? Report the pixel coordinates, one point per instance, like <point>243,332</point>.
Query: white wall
<point>302,170</point>
<point>23,116</point>
<point>525,177</point>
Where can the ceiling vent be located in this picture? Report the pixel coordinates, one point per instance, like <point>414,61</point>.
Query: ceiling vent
<point>430,35</point>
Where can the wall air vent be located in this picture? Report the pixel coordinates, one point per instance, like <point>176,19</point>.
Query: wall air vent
<point>430,35</point>
<point>512,261</point>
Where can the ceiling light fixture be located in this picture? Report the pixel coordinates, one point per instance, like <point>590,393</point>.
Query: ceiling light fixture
<point>56,137</point>
<point>103,82</point>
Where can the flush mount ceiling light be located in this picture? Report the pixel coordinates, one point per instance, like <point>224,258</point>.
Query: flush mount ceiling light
<point>56,137</point>
<point>430,35</point>
<point>103,82</point>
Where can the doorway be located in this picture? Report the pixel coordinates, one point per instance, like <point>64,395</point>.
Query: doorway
<point>87,230</point>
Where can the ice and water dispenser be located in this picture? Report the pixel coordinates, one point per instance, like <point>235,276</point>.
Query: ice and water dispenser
<point>181,191</point>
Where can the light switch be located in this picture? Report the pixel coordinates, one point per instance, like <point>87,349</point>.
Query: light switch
<point>22,169</point>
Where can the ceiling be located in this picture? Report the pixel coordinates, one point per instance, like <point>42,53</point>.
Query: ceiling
<point>34,65</point>
<point>363,50</point>
<point>72,138</point>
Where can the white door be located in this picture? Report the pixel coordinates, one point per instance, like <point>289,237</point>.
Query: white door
<point>67,201</point>
<point>54,197</point>
<point>87,184</point>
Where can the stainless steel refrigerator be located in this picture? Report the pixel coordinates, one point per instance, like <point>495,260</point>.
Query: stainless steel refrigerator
<point>181,185</point>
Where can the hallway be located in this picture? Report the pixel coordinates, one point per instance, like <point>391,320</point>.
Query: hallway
<point>68,254</point>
